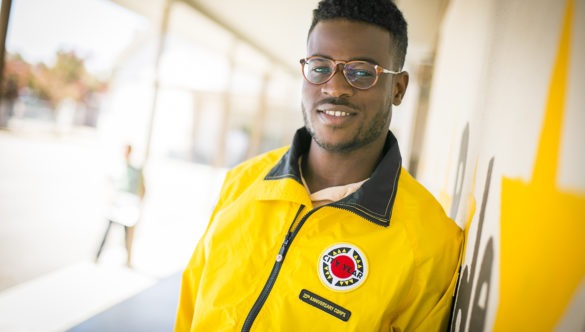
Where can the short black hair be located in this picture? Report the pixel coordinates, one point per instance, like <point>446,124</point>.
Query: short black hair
<point>382,13</point>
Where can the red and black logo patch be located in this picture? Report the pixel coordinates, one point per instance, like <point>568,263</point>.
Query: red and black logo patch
<point>342,267</point>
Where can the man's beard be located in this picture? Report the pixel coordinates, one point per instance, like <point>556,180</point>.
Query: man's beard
<point>365,134</point>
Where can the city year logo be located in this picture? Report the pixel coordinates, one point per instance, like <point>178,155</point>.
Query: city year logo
<point>342,267</point>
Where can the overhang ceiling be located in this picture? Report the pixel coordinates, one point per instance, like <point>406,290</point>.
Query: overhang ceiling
<point>277,29</point>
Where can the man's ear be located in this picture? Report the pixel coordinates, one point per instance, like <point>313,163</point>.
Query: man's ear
<point>399,87</point>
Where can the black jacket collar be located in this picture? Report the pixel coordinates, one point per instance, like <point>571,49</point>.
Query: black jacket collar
<point>374,200</point>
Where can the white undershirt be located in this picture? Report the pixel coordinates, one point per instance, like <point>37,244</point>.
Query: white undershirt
<point>331,194</point>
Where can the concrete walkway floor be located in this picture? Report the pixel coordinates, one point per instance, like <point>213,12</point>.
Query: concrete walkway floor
<point>52,194</point>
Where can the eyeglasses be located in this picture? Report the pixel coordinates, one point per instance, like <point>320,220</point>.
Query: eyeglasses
<point>359,74</point>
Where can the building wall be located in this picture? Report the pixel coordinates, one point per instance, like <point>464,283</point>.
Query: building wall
<point>502,153</point>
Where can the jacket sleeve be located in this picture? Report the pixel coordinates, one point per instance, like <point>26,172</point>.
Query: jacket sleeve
<point>438,318</point>
<point>429,303</point>
<point>192,276</point>
<point>189,289</point>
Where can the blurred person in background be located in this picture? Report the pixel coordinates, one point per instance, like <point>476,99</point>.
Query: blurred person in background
<point>126,203</point>
<point>331,233</point>
<point>7,100</point>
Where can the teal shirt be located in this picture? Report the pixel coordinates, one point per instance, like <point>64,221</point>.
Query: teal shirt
<point>132,180</point>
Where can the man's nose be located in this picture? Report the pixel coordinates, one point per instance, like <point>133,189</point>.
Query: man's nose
<point>337,86</point>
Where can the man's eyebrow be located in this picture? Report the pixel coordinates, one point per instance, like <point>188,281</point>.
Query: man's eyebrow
<point>359,58</point>
<point>366,59</point>
<point>320,55</point>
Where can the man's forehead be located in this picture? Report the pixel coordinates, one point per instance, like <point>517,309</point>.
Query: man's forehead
<point>352,39</point>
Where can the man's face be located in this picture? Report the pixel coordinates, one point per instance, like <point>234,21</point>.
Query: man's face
<point>340,117</point>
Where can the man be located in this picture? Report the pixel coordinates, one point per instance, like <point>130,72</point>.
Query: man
<point>331,234</point>
<point>126,206</point>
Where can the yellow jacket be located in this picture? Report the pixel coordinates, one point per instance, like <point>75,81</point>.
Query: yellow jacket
<point>384,258</point>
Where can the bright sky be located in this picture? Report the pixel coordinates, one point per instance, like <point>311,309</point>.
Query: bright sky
<point>97,29</point>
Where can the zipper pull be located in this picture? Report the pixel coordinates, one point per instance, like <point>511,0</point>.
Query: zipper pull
<point>280,255</point>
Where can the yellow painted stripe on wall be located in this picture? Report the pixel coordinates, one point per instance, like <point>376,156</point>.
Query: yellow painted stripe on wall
<point>542,227</point>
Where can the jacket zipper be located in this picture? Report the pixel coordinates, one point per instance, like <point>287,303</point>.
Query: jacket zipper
<point>275,270</point>
<point>359,215</point>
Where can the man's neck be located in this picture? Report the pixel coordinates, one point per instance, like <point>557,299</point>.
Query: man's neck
<point>323,169</point>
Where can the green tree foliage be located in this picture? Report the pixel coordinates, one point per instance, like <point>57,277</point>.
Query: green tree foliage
<point>67,78</point>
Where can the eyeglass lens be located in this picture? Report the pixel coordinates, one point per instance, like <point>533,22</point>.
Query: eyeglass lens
<point>359,74</point>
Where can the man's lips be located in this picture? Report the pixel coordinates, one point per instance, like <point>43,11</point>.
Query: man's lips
<point>336,110</point>
<point>336,107</point>
<point>335,113</point>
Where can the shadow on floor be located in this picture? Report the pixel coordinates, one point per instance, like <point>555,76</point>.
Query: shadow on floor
<point>153,309</point>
